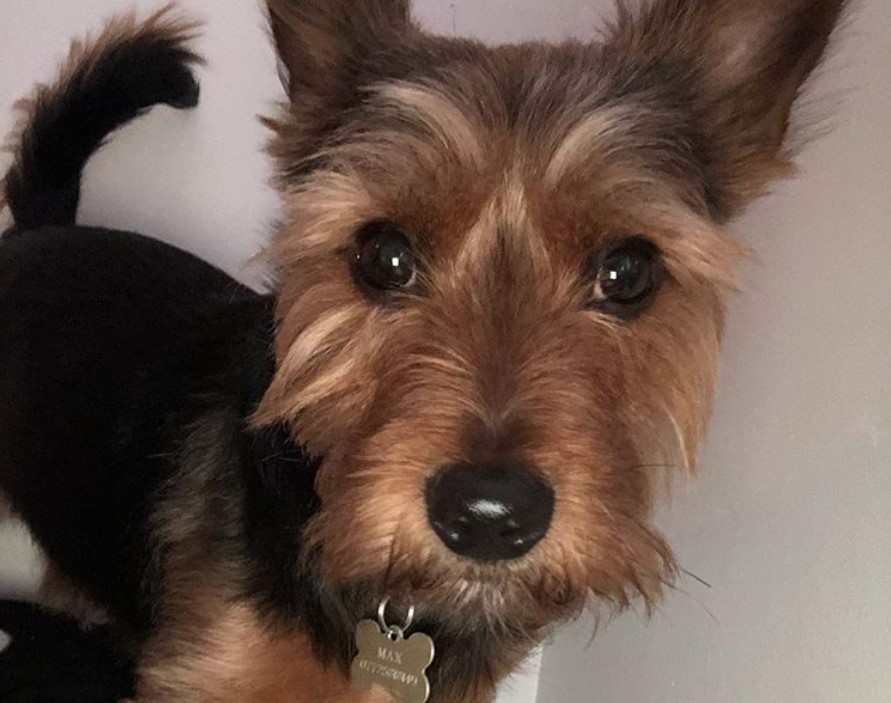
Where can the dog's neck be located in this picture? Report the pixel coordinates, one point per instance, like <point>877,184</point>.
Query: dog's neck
<point>281,499</point>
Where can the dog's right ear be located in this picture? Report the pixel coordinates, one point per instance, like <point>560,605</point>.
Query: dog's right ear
<point>742,64</point>
<point>330,49</point>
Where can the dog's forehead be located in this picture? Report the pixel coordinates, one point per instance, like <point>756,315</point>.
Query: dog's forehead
<point>538,141</point>
<point>536,128</point>
<point>555,117</point>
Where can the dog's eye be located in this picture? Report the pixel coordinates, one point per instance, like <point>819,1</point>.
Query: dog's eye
<point>384,257</point>
<point>625,277</point>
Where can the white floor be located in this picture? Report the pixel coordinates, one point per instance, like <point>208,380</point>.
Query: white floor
<point>20,566</point>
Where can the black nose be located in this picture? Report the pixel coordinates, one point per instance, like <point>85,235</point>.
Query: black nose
<point>489,513</point>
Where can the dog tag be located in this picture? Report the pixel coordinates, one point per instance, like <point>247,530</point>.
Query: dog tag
<point>390,660</point>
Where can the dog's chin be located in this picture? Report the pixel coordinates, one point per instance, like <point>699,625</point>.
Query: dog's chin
<point>503,599</point>
<point>503,608</point>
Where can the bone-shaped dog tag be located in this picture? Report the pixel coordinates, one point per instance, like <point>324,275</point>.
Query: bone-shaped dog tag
<point>393,662</point>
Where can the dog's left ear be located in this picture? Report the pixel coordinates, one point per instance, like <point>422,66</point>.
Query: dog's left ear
<point>739,66</point>
<point>330,49</point>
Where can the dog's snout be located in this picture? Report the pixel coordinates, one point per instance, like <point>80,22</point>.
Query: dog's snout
<point>490,513</point>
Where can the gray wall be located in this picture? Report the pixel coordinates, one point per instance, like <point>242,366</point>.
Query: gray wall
<point>790,518</point>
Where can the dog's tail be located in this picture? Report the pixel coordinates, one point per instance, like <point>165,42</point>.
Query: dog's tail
<point>105,83</point>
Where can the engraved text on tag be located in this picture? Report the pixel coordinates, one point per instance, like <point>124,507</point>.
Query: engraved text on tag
<point>393,662</point>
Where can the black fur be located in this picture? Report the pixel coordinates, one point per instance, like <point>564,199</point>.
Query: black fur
<point>52,660</point>
<point>108,340</point>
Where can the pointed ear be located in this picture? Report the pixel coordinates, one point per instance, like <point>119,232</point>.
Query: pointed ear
<point>327,46</point>
<point>742,63</point>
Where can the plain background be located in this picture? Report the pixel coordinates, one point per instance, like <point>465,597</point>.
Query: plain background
<point>789,521</point>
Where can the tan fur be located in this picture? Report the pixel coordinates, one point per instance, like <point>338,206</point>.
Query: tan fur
<point>603,129</point>
<point>510,166</point>
<point>438,115</point>
<point>217,652</point>
<point>338,352</point>
<point>247,663</point>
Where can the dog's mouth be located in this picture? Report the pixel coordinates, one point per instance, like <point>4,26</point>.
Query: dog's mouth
<point>472,607</point>
<point>496,596</point>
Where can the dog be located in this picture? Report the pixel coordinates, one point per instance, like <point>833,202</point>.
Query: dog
<point>499,303</point>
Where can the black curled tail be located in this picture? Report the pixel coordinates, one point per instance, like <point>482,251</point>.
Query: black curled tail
<point>105,83</point>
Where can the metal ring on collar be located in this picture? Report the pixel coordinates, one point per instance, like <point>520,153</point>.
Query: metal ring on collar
<point>382,617</point>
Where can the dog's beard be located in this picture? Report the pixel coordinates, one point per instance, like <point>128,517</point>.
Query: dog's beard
<point>508,599</point>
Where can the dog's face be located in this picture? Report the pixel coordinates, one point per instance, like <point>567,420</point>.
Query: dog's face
<point>502,274</point>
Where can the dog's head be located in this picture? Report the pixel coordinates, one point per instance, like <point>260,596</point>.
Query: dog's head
<point>502,273</point>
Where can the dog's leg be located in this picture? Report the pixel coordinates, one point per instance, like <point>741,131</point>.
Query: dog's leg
<point>58,592</point>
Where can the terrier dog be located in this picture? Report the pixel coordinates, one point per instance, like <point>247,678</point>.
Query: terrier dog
<point>500,294</point>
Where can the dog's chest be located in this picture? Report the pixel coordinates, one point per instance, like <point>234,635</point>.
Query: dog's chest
<point>235,659</point>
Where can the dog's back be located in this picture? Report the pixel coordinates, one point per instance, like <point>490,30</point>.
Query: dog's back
<point>104,335</point>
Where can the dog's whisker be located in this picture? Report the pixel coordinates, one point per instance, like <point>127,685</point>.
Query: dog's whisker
<point>696,578</point>
<point>636,467</point>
